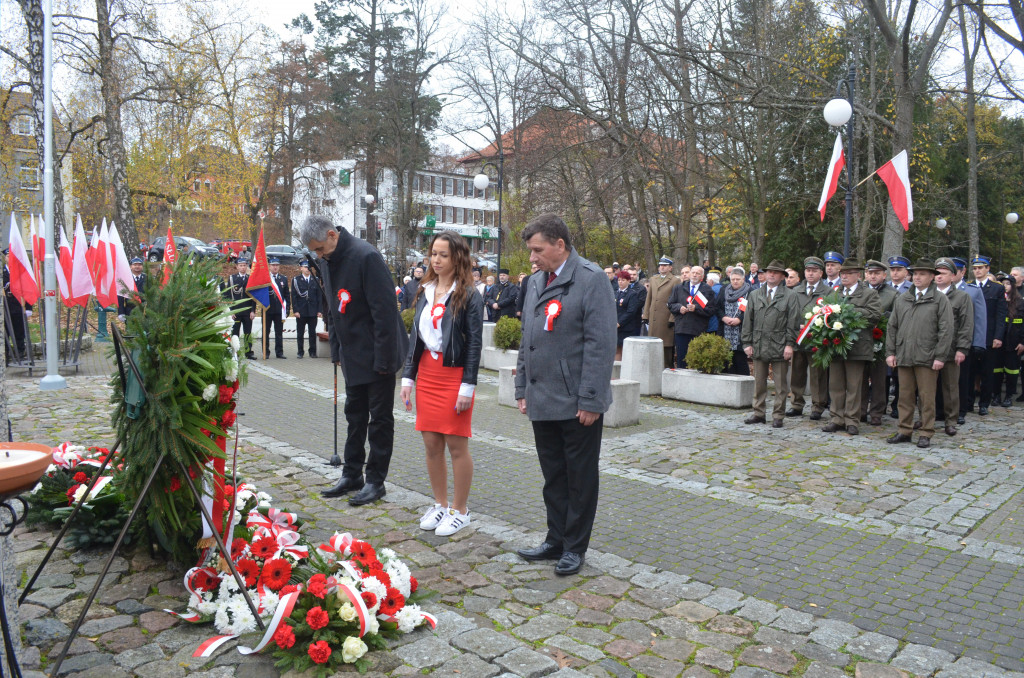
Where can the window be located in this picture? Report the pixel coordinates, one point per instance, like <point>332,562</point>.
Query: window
<point>460,187</point>
<point>459,215</point>
<point>23,125</point>
<point>449,186</point>
<point>208,184</point>
<point>449,215</point>
<point>28,174</point>
<point>195,185</point>
<point>415,182</point>
<point>471,217</point>
<point>438,185</point>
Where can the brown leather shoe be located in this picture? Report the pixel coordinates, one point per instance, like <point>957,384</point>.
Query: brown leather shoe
<point>830,427</point>
<point>875,421</point>
<point>950,430</point>
<point>754,419</point>
<point>917,426</point>
<point>852,430</point>
<point>776,423</point>
<point>898,438</point>
<point>924,441</point>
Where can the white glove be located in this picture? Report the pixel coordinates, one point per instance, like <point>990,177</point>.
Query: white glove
<point>28,313</point>
<point>121,318</point>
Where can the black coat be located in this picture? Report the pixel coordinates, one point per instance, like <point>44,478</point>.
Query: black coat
<point>124,304</point>
<point>369,338</point>
<point>240,301</point>
<point>461,338</point>
<point>409,292</point>
<point>505,296</point>
<point>307,298</point>
<point>629,307</point>
<point>995,308</point>
<point>274,310</point>
<point>692,322</point>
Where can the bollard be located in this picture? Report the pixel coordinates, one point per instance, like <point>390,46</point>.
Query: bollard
<point>101,322</point>
<point>643,360</point>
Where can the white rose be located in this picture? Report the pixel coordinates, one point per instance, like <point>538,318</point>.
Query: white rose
<point>808,315</point>
<point>837,326</point>
<point>818,321</point>
<point>372,625</point>
<point>210,392</point>
<point>352,649</point>
<point>80,492</point>
<point>835,308</point>
<point>817,309</point>
<point>347,613</point>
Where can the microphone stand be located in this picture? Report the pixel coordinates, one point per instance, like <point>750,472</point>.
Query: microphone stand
<point>313,266</point>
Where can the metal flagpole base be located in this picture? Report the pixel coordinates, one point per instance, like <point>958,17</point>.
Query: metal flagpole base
<point>53,382</point>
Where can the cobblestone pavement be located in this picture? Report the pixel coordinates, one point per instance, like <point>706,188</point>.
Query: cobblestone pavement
<point>702,576</point>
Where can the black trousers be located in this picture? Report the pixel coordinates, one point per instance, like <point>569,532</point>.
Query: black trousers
<point>244,322</point>
<point>274,322</point>
<point>983,365</point>
<point>569,452</point>
<point>967,384</point>
<point>301,324</point>
<point>370,408</point>
<point>682,346</point>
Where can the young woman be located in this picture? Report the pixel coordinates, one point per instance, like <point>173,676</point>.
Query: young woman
<point>444,356</point>
<point>1013,345</point>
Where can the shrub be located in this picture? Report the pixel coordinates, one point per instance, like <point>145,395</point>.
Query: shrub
<point>709,353</point>
<point>508,333</point>
<point>408,316</point>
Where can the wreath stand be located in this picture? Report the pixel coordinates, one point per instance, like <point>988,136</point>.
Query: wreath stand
<point>135,397</point>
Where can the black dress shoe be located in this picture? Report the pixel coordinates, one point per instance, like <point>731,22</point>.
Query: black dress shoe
<point>777,423</point>
<point>924,441</point>
<point>983,410</point>
<point>852,430</point>
<point>344,486</point>
<point>312,355</point>
<point>300,356</point>
<point>960,419</point>
<point>815,416</point>
<point>569,563</point>
<point>754,419</point>
<point>864,418</point>
<point>545,551</point>
<point>950,430</point>
<point>793,412</point>
<point>898,438</point>
<point>830,427</point>
<point>370,493</point>
<point>1008,402</point>
<point>1020,398</point>
<point>894,414</point>
<point>250,356</point>
<point>283,357</point>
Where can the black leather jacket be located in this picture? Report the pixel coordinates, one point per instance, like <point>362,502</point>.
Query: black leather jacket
<point>461,338</point>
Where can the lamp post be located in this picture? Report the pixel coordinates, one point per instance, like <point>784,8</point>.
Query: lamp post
<point>1011,219</point>
<point>482,181</point>
<point>839,112</point>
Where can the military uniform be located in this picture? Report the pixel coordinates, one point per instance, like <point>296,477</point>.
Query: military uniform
<point>948,393</point>
<point>125,304</point>
<point>275,315</point>
<point>17,327</point>
<point>977,344</point>
<point>243,305</point>
<point>983,363</point>
<point>802,367</point>
<point>875,391</point>
<point>897,262</point>
<point>306,298</point>
<point>656,312</point>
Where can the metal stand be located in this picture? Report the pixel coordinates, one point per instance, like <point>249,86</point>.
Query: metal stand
<point>122,357</point>
<point>335,459</point>
<point>5,530</point>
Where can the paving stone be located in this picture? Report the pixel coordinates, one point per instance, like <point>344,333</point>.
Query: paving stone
<point>869,670</point>
<point>27,611</point>
<point>45,631</point>
<point>464,666</point>
<point>674,627</point>
<point>588,600</point>
<point>697,672</point>
<point>96,627</point>
<point>157,621</point>
<point>532,596</point>
<point>493,591</point>
<point>753,672</point>
<point>713,657</point>
<point>793,621</point>
<point>727,623</point>
<point>758,611</point>
<point>50,581</point>
<point>485,643</point>
<point>451,624</point>
<point>823,654</point>
<point>527,663</point>
<point>692,612</point>
<point>161,669</point>
<point>656,667</point>
<point>610,667</point>
<point>131,607</point>
<point>776,638</point>
<point>693,590</point>
<point>100,671</point>
<point>562,607</point>
<point>216,672</point>
<point>673,648</point>
<point>723,599</point>
<point>819,670</point>
<point>722,641</point>
<point>479,604</point>
<point>82,662</point>
<point>567,644</point>
<point>607,586</point>
<point>119,640</point>
<point>834,634</point>
<point>130,659</point>
<point>632,629</point>
<point>595,617</point>
<point>567,672</point>
<point>629,610</point>
<point>427,653</point>
<point>967,667</point>
<point>179,636</point>
<point>589,636</point>
<point>873,646</point>
<point>624,648</point>
<point>543,626</point>
<point>654,598</point>
<point>51,598</point>
<point>921,659</point>
<point>768,657</point>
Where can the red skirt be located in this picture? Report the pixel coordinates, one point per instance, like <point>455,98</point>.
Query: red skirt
<point>437,389</point>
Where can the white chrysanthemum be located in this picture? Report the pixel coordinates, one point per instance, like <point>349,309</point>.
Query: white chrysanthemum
<point>227,587</point>
<point>408,618</point>
<point>206,608</point>
<point>222,619</point>
<point>837,325</point>
<point>347,612</point>
<point>263,498</point>
<point>230,369</point>
<point>352,649</point>
<point>270,601</point>
<point>818,321</point>
<point>386,554</point>
<point>377,588</point>
<point>400,575</point>
<point>235,343</point>
<point>210,392</point>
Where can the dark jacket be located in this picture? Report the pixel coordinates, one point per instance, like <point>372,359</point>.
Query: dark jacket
<point>866,300</point>
<point>461,338</point>
<point>505,297</point>
<point>409,292</point>
<point>125,304</point>
<point>1015,327</point>
<point>306,296</point>
<point>691,322</point>
<point>274,310</point>
<point>521,296</point>
<point>806,304</point>
<point>963,322</point>
<point>240,301</point>
<point>370,330</point>
<point>629,308</point>
<point>995,311</point>
<point>770,325</point>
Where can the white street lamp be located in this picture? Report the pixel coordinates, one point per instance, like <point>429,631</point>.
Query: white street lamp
<point>1011,218</point>
<point>481,182</point>
<point>940,224</point>
<point>837,112</point>
<point>370,199</point>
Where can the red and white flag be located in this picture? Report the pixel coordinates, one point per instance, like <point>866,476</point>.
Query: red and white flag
<point>63,269</point>
<point>701,299</point>
<point>123,278</point>
<point>81,277</point>
<point>106,294</point>
<point>23,283</point>
<point>835,166</point>
<point>742,304</point>
<point>896,176</point>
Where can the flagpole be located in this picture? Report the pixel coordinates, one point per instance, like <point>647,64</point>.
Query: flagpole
<point>53,381</point>
<point>867,177</point>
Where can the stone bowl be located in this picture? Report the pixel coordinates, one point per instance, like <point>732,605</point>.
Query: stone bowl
<point>21,466</point>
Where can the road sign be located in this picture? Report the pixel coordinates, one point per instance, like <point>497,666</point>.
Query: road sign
<point>431,221</point>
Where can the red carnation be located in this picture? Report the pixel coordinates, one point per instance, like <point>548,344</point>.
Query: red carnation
<point>320,651</point>
<point>284,636</point>
<point>392,603</point>
<point>71,493</point>
<point>369,599</point>
<point>80,477</point>
<point>317,585</point>
<point>413,584</point>
<point>175,484</point>
<point>249,571</point>
<point>877,333</point>
<point>290,588</point>
<point>225,394</point>
<point>837,341</point>
<point>814,349</point>
<point>264,547</point>
<point>229,490</point>
<point>238,548</point>
<point>231,405</point>
<point>234,384</point>
<point>276,573</point>
<point>317,618</point>
<point>227,419</point>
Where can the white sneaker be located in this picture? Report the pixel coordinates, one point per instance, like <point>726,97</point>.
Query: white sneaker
<point>453,522</point>
<point>433,517</point>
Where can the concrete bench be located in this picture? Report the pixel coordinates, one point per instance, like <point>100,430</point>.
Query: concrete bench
<point>643,359</point>
<point>724,390</point>
<point>625,409</point>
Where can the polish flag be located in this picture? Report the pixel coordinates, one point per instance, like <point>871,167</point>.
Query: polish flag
<point>23,283</point>
<point>896,176</point>
<point>90,255</point>
<point>742,304</point>
<point>63,270</point>
<point>123,278</point>
<point>37,251</point>
<point>81,275</point>
<point>170,254</point>
<point>701,299</point>
<point>105,292</point>
<point>835,166</point>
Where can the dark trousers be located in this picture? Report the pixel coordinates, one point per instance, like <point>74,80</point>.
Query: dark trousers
<point>1007,372</point>
<point>370,408</point>
<point>244,322</point>
<point>569,452</point>
<point>739,365</point>
<point>983,365</point>
<point>682,345</point>
<point>274,322</point>
<point>301,323</point>
<point>967,385</point>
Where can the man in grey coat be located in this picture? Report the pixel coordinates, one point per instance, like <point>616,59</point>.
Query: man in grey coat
<point>563,384</point>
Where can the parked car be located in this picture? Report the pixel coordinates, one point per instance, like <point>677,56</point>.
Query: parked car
<point>192,247</point>
<point>488,262</point>
<point>286,254</point>
<point>413,257</point>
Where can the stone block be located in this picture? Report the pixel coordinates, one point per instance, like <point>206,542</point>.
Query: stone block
<point>643,360</point>
<point>723,390</point>
<point>527,663</point>
<point>494,358</point>
<point>625,409</point>
<point>488,336</point>
<point>617,369</point>
<point>507,386</point>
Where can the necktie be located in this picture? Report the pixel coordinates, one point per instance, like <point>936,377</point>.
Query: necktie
<point>693,291</point>
<point>771,294</point>
<point>919,295</point>
<point>551,278</point>
<point>810,290</point>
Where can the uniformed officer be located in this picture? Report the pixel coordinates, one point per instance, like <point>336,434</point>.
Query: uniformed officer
<point>276,312</point>
<point>833,262</point>
<point>306,298</point>
<point>243,305</point>
<point>899,276</point>
<point>948,394</point>
<point>984,363</point>
<point>656,312</point>
<point>810,290</point>
<point>125,304</point>
<point>876,394</point>
<point>978,342</point>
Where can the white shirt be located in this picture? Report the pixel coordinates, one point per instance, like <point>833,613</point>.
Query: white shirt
<point>848,292</point>
<point>432,338</point>
<point>945,290</point>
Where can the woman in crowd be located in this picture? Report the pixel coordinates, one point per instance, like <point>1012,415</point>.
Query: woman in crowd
<point>730,315</point>
<point>630,307</point>
<point>1013,345</point>
<point>444,356</point>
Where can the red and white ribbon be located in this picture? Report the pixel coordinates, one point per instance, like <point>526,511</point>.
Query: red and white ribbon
<point>552,310</point>
<point>287,543</point>
<point>284,610</point>
<point>357,602</point>
<point>209,646</point>
<point>824,311</point>
<point>338,543</point>
<point>193,618</point>
<point>343,297</point>
<point>436,313</point>
<point>350,570</point>
<point>282,519</point>
<point>430,619</point>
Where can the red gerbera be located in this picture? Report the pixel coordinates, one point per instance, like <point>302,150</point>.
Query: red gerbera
<point>238,548</point>
<point>249,571</point>
<point>284,636</point>
<point>320,651</point>
<point>276,573</point>
<point>264,547</point>
<point>877,333</point>
<point>71,493</point>
<point>317,618</point>
<point>317,585</point>
<point>362,550</point>
<point>392,603</point>
<point>205,580</point>
<point>225,393</point>
<point>80,477</point>
<point>369,599</point>
<point>413,584</point>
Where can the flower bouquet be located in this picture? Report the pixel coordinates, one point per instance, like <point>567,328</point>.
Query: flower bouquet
<point>831,329</point>
<point>878,335</point>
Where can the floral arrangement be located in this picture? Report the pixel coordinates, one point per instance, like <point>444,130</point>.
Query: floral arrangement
<point>878,336</point>
<point>831,329</point>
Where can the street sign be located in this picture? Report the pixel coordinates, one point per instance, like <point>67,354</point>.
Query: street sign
<point>431,221</point>
<point>344,177</point>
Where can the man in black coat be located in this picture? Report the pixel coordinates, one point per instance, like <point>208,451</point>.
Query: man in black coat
<point>275,312</point>
<point>307,302</point>
<point>983,363</point>
<point>411,287</point>
<point>505,295</point>
<point>242,304</point>
<point>369,341</point>
<point>692,303</point>
<point>17,328</point>
<point>125,304</point>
